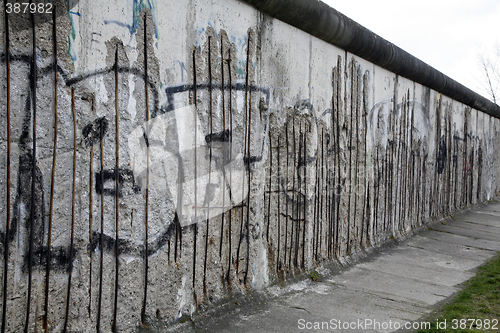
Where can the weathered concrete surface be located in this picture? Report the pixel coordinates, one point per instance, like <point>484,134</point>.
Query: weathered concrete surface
<point>398,285</point>
<point>213,151</point>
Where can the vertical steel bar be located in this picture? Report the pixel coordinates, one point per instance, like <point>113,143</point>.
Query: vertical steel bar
<point>33,172</point>
<point>223,152</point>
<point>7,222</point>
<point>146,217</point>
<point>270,185</point>
<point>320,196</point>
<point>49,241</point>
<point>305,200</point>
<point>294,200</point>
<point>357,75</point>
<point>91,213</point>
<point>195,87</point>
<point>299,195</point>
<point>101,238</point>
<point>286,196</point>
<point>246,159</point>
<point>68,294</point>
<point>367,182</point>
<point>231,160</point>
<point>337,188</point>
<point>117,187</point>
<point>316,221</point>
<point>249,159</point>
<point>279,212</point>
<point>349,147</point>
<point>207,198</point>
<point>328,216</point>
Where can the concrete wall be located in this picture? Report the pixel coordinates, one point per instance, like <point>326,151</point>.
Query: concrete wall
<point>244,152</point>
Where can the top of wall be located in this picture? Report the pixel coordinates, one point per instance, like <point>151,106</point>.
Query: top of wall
<point>324,22</point>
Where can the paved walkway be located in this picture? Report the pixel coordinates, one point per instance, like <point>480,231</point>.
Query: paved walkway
<point>399,285</point>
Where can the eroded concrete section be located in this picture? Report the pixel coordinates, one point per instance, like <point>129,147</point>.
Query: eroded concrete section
<point>399,285</point>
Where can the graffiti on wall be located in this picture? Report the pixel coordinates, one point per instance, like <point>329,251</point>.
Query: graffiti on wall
<point>214,170</point>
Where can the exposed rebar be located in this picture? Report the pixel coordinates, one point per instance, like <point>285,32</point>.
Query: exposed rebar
<point>279,221</point>
<point>101,237</point>
<point>7,222</point>
<point>195,168</point>
<point>91,209</point>
<point>207,189</point>
<point>230,159</point>
<point>146,217</point>
<point>223,152</point>
<point>117,187</point>
<point>249,123</point>
<point>49,241</point>
<point>68,294</point>
<point>270,185</point>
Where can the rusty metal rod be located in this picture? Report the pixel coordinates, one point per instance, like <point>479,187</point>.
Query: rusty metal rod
<point>366,212</point>
<point>349,146</point>
<point>230,159</point>
<point>33,172</point>
<point>101,238</point>
<point>337,184</point>
<point>327,195</point>
<point>195,168</point>
<point>316,221</point>
<point>207,198</point>
<point>295,207</point>
<point>91,213</point>
<point>146,240</point>
<point>270,185</point>
<point>49,241</point>
<point>329,201</point>
<point>178,213</point>
<point>279,213</point>
<point>299,194</point>
<point>320,193</point>
<point>286,194</point>
<point>117,187</point>
<point>68,295</point>
<point>224,153</point>
<point>248,156</point>
<point>305,200</point>
<point>321,190</point>
<point>7,222</point>
<point>354,181</point>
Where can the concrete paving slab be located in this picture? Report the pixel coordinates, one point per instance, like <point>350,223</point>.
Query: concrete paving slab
<point>436,275</point>
<point>423,241</point>
<point>476,226</point>
<point>395,287</point>
<point>453,229</point>
<point>346,305</point>
<point>492,206</point>
<point>429,259</point>
<point>486,218</point>
<point>464,240</point>
<point>494,213</point>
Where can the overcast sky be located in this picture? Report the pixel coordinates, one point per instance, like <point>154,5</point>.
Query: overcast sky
<point>446,34</point>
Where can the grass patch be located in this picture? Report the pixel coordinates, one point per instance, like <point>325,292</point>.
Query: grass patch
<point>473,307</point>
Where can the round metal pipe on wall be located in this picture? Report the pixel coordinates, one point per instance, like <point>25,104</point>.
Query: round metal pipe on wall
<point>324,22</point>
